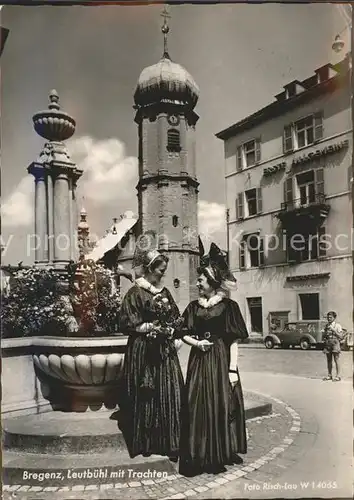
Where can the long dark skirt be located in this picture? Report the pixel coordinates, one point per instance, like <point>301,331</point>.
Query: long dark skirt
<point>213,415</point>
<point>150,400</point>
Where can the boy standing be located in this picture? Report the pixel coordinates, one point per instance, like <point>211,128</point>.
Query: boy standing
<point>332,337</point>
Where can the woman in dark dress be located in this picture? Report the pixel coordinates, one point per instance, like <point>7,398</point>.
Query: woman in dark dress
<point>152,378</point>
<point>213,416</point>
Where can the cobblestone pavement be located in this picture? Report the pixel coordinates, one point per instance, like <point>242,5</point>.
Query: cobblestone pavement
<point>268,437</point>
<point>319,463</point>
<point>298,451</point>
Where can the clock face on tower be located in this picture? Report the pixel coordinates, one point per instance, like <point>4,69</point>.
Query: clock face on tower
<point>173,120</point>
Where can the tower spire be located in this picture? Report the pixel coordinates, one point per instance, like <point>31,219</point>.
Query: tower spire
<point>165,30</point>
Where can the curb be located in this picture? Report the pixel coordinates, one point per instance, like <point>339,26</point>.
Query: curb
<point>234,472</point>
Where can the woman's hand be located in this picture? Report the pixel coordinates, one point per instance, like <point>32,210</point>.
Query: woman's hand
<point>178,344</point>
<point>204,345</point>
<point>233,377</point>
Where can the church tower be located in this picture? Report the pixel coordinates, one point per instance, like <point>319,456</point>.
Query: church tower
<point>165,98</point>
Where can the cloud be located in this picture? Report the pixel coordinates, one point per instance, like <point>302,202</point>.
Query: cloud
<point>211,220</point>
<point>17,209</point>
<point>109,175</point>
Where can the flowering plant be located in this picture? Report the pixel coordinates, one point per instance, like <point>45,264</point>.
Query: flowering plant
<point>95,298</point>
<point>39,302</point>
<point>34,305</point>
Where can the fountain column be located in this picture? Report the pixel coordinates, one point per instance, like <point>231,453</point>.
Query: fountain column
<point>55,175</point>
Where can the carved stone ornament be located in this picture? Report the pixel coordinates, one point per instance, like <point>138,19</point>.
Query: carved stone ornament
<point>173,120</point>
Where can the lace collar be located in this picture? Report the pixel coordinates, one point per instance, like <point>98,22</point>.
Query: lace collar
<point>215,299</point>
<point>143,283</point>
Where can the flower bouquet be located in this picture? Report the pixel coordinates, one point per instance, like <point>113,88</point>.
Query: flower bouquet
<point>166,328</point>
<point>167,322</point>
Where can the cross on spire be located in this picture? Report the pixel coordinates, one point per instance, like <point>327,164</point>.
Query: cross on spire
<point>165,29</point>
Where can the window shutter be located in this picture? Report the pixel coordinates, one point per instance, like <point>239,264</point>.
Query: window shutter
<point>318,124</point>
<point>319,183</point>
<point>258,150</point>
<point>239,159</point>
<point>240,206</point>
<point>259,201</point>
<point>288,139</point>
<point>242,254</point>
<point>291,252</point>
<point>261,252</point>
<point>322,250</point>
<point>288,191</point>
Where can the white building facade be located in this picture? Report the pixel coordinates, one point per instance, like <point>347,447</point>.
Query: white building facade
<point>288,172</point>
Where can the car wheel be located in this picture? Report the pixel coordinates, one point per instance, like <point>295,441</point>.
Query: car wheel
<point>269,343</point>
<point>304,344</point>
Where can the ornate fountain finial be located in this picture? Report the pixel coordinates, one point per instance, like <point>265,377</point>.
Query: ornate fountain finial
<point>53,124</point>
<point>54,100</point>
<point>165,30</point>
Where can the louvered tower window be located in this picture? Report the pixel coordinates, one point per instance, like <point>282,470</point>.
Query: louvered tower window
<point>173,140</point>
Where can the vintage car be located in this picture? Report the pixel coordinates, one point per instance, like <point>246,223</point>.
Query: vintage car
<point>305,334</point>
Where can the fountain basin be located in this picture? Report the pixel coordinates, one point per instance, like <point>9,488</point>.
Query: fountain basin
<point>79,373</point>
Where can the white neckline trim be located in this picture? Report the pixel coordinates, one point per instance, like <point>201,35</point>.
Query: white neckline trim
<point>215,299</point>
<point>143,283</point>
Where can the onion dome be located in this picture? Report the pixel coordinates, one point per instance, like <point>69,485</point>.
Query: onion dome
<point>166,81</point>
<point>53,124</point>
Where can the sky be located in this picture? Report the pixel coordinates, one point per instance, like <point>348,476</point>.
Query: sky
<point>240,56</point>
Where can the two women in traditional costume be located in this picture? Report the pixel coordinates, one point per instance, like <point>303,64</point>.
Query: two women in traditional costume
<point>203,421</point>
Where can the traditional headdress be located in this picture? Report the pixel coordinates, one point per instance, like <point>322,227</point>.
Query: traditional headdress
<point>215,265</point>
<point>145,251</point>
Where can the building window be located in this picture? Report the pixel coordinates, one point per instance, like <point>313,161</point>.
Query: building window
<point>248,154</point>
<point>305,247</point>
<point>310,306</point>
<point>306,187</point>
<point>174,221</point>
<point>303,132</point>
<point>249,203</point>
<point>251,251</point>
<point>173,140</point>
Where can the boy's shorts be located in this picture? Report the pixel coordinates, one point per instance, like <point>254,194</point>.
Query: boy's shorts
<point>332,346</point>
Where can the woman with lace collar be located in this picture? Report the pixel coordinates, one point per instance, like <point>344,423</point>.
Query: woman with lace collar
<point>213,416</point>
<point>152,378</point>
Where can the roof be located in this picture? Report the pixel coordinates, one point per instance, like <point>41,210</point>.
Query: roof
<point>326,79</point>
<point>166,80</point>
<point>113,238</point>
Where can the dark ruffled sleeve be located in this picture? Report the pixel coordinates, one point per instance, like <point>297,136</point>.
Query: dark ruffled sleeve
<point>235,324</point>
<point>188,326</point>
<point>131,313</point>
